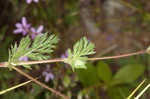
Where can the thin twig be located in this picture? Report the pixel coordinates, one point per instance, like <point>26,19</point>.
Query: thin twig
<point>39,83</point>
<point>5,64</point>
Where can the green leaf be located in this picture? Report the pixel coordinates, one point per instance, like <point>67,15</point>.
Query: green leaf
<point>39,49</point>
<point>128,74</point>
<point>88,76</point>
<point>28,67</point>
<point>66,81</point>
<point>104,72</point>
<point>16,52</point>
<point>78,57</point>
<point>37,90</point>
<point>118,92</point>
<point>42,45</point>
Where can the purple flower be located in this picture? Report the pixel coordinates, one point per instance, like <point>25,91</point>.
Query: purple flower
<point>65,55</point>
<point>25,28</point>
<point>22,27</point>
<point>48,74</point>
<point>29,1</point>
<point>25,58</point>
<point>36,32</point>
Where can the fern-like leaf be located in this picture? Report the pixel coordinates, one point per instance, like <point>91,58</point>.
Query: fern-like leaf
<point>78,57</point>
<point>39,49</point>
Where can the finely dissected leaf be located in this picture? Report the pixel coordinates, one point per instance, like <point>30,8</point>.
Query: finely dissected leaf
<point>78,57</point>
<point>39,49</point>
<point>83,47</point>
<point>42,45</point>
<point>16,52</point>
<point>148,50</point>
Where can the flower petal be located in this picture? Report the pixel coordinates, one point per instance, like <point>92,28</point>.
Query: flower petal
<point>28,25</point>
<point>65,55</point>
<point>28,1</point>
<point>46,78</point>
<point>24,21</point>
<point>33,30</point>
<point>18,25</point>
<point>33,35</point>
<point>62,56</point>
<point>25,58</point>
<point>40,29</point>
<point>49,76</point>
<point>16,31</point>
<point>24,32</point>
<point>36,1</point>
<point>44,73</point>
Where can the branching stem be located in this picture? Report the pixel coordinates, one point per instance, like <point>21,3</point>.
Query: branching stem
<point>5,64</point>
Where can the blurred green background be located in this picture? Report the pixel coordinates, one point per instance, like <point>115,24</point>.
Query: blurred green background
<point>114,26</point>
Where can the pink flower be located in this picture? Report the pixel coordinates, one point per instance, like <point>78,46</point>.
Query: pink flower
<point>48,76</point>
<point>25,58</point>
<point>25,28</point>
<point>65,55</point>
<point>36,31</point>
<point>47,73</point>
<point>22,27</point>
<point>29,1</point>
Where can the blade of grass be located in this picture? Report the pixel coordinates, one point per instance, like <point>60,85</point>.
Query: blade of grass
<point>142,92</point>
<point>135,90</point>
<point>14,87</point>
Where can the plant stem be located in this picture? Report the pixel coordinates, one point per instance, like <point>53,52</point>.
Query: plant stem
<point>117,56</point>
<point>5,64</point>
<point>39,83</point>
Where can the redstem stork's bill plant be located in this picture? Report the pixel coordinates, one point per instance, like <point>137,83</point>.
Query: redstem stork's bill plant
<point>42,46</point>
<point>39,50</point>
